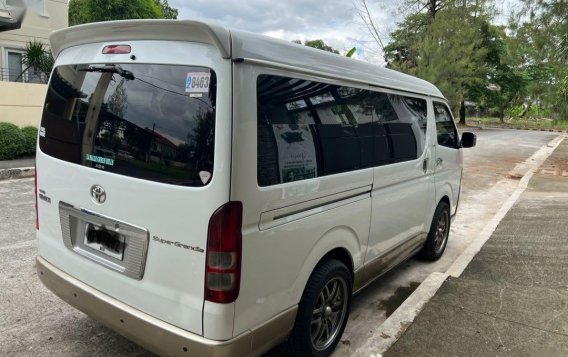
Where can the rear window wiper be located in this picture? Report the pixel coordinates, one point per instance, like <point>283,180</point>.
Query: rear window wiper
<point>110,69</point>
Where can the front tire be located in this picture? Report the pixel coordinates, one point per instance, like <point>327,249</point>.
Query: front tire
<point>438,235</point>
<point>323,311</point>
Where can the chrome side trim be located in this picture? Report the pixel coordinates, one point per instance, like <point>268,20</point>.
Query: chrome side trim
<point>387,261</point>
<point>279,216</point>
<point>154,334</point>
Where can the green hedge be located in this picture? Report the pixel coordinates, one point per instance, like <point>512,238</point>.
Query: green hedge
<point>12,141</point>
<point>15,142</point>
<point>30,134</point>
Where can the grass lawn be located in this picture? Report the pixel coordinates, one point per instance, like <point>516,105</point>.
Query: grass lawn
<point>524,123</point>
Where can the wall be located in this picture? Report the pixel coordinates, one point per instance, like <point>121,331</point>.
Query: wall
<point>40,21</point>
<point>21,103</point>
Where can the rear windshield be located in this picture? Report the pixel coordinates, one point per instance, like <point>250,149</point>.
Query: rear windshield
<point>153,122</point>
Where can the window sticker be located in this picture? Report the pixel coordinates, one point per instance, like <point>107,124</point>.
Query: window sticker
<point>42,132</point>
<point>197,82</point>
<point>296,152</point>
<point>100,160</point>
<point>205,176</point>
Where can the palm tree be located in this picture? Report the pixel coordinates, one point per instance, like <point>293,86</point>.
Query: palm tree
<point>37,57</point>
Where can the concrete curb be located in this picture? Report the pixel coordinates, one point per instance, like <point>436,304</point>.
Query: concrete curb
<point>530,129</point>
<point>394,326</point>
<point>539,157</point>
<point>23,172</point>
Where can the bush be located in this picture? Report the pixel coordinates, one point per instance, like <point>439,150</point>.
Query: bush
<point>537,112</point>
<point>12,141</point>
<point>30,134</point>
<point>515,112</point>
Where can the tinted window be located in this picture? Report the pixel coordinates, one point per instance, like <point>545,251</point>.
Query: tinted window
<point>308,129</point>
<point>445,127</point>
<point>405,120</point>
<point>154,122</point>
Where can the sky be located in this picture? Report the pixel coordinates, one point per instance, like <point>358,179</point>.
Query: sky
<point>334,21</point>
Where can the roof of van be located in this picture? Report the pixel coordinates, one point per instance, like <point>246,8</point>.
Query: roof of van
<point>242,45</point>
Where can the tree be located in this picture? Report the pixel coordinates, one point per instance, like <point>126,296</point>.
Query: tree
<point>37,57</point>
<point>541,31</point>
<point>117,103</point>
<point>85,11</point>
<point>169,12</point>
<point>364,14</point>
<point>419,13</point>
<point>446,50</point>
<point>432,7</point>
<point>319,44</point>
<point>402,52</point>
<point>505,80</point>
<point>451,54</point>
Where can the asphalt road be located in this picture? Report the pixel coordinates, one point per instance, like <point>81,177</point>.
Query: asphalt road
<point>34,322</point>
<point>511,299</point>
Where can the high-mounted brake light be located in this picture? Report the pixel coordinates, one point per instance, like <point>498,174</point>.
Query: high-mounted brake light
<point>116,49</point>
<point>223,259</point>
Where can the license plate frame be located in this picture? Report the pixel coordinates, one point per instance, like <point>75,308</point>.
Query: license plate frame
<point>105,241</point>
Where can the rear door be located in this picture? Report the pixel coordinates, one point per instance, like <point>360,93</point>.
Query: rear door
<point>133,156</point>
<point>448,165</point>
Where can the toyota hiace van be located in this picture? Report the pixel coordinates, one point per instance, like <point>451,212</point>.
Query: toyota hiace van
<point>206,191</point>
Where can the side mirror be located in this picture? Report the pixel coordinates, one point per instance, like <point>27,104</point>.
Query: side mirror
<point>468,140</point>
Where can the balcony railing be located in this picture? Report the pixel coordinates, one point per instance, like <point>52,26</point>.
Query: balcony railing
<point>29,76</point>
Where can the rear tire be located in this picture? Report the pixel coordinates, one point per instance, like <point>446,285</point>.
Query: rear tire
<point>438,235</point>
<point>323,311</point>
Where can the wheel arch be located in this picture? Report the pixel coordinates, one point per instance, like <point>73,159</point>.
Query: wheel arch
<point>444,193</point>
<point>341,244</point>
<point>340,254</point>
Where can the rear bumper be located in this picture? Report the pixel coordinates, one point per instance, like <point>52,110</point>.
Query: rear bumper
<point>156,335</point>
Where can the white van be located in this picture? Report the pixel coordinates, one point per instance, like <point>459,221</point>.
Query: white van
<point>265,183</point>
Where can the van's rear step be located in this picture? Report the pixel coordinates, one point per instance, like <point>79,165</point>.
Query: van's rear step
<point>154,334</point>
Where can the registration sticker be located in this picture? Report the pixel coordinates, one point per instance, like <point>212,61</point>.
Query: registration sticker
<point>197,82</point>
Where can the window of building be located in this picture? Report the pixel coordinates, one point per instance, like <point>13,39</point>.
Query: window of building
<point>15,66</point>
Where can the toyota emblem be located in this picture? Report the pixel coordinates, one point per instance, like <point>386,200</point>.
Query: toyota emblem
<point>98,194</point>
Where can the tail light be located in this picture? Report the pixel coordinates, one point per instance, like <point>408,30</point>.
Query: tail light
<point>35,196</point>
<point>223,258</point>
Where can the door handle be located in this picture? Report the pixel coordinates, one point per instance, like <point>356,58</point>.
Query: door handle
<point>439,161</point>
<point>425,164</point>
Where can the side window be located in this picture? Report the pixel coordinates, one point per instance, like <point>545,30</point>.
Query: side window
<point>308,129</point>
<point>404,121</point>
<point>445,126</point>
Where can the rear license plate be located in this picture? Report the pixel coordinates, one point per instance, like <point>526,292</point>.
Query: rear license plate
<point>105,241</point>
